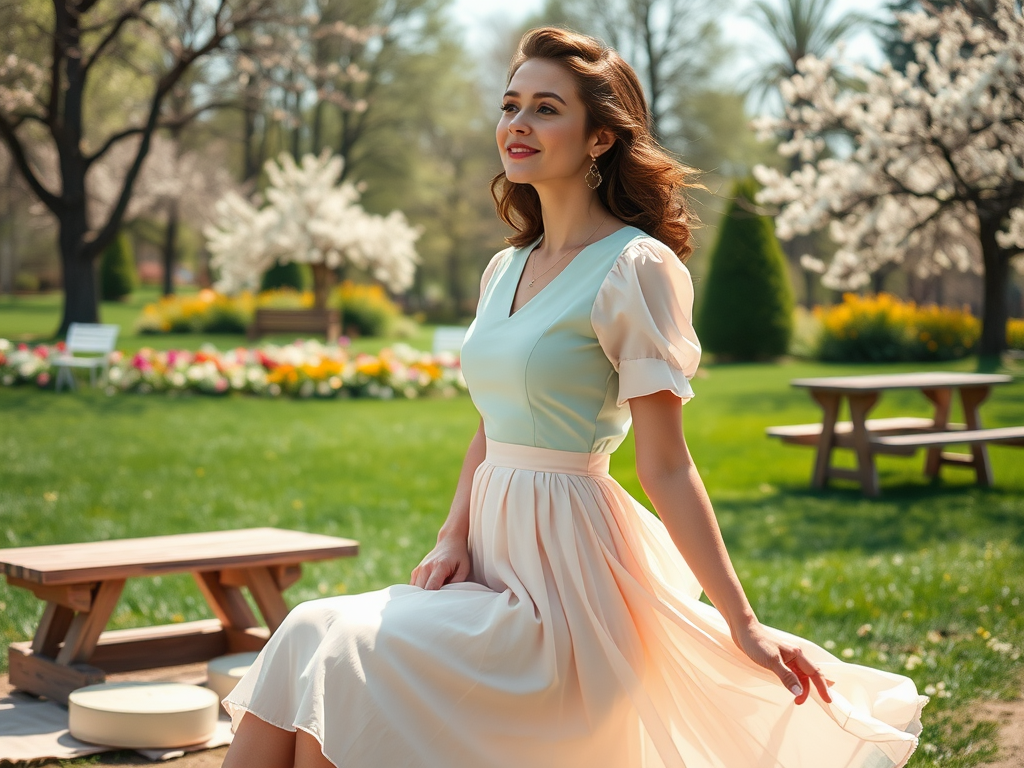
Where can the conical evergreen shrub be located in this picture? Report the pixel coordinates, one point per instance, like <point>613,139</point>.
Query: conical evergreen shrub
<point>117,269</point>
<point>285,275</point>
<point>747,308</point>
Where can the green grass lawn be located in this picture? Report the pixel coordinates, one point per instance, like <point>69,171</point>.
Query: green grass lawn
<point>935,569</point>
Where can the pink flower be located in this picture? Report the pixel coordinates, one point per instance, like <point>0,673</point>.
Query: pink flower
<point>22,347</point>
<point>221,385</point>
<point>43,379</point>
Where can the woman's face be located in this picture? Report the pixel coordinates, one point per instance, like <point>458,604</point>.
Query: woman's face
<point>542,134</point>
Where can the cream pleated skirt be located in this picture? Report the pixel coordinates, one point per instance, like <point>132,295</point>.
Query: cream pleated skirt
<point>579,640</point>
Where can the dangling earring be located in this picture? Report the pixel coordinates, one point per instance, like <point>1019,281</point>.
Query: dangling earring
<point>593,177</point>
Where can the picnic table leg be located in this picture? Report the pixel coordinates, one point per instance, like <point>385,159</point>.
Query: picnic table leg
<point>829,402</point>
<point>265,591</point>
<point>53,626</point>
<point>86,627</point>
<point>860,405</point>
<point>972,398</point>
<point>226,600</point>
<point>940,421</point>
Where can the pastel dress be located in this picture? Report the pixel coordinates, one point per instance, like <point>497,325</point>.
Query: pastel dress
<point>579,640</point>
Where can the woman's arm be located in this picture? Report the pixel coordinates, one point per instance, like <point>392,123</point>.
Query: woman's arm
<point>448,561</point>
<point>669,477</point>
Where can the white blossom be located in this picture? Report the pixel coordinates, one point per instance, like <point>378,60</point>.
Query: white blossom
<point>309,217</point>
<point>934,149</point>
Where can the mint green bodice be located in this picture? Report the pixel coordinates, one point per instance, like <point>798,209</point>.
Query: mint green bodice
<point>541,377</point>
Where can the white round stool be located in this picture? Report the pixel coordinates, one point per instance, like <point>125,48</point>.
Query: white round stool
<point>143,715</point>
<point>224,672</point>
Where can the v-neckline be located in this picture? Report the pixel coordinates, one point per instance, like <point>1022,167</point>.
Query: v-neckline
<point>522,268</point>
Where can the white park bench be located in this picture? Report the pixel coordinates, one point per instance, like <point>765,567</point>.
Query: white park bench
<point>449,338</point>
<point>91,338</point>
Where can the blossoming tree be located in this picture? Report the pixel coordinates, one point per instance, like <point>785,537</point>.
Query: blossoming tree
<point>57,56</point>
<point>937,164</point>
<point>309,217</point>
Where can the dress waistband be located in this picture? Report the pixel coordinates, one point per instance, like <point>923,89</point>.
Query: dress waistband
<point>546,459</point>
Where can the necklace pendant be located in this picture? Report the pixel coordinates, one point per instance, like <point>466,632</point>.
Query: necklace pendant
<point>530,285</point>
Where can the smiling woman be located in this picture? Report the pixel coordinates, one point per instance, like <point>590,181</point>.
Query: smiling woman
<point>557,622</point>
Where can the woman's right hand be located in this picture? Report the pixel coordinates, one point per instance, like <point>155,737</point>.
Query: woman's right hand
<point>447,563</point>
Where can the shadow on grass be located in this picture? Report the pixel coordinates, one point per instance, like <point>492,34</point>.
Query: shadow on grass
<point>801,523</point>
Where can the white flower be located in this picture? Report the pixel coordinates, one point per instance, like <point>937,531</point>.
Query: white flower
<point>309,217</point>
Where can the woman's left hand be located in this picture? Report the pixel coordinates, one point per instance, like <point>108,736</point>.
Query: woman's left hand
<point>785,660</point>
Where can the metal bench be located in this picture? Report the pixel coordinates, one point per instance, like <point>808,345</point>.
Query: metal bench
<point>94,338</point>
<point>81,584</point>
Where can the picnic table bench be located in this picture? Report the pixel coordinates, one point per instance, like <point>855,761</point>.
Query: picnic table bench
<point>81,584</point>
<point>902,435</point>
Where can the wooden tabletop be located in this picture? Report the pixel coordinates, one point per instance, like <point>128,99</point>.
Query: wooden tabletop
<point>125,558</point>
<point>926,380</point>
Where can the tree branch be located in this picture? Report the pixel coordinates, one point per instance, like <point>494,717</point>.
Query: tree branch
<point>178,122</point>
<point>17,151</point>
<point>164,86</point>
<point>119,23</point>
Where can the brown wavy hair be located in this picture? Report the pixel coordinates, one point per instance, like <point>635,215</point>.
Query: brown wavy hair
<point>642,185</point>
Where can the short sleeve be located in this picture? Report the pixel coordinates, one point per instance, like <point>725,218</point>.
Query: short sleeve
<point>643,320</point>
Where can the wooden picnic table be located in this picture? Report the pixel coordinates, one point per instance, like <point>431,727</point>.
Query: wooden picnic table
<point>899,435</point>
<point>81,584</point>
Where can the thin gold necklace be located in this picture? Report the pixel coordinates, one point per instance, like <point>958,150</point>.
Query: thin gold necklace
<point>533,264</point>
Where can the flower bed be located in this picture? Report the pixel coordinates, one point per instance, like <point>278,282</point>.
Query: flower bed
<point>366,310</point>
<point>305,369</point>
<point>883,328</point>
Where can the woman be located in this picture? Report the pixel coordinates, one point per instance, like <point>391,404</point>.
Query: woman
<point>557,622</point>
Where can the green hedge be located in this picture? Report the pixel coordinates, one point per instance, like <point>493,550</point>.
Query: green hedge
<point>117,269</point>
<point>747,309</point>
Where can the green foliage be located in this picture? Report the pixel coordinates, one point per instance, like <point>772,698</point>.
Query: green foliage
<point>366,310</point>
<point>286,275</point>
<point>117,269</point>
<point>747,308</point>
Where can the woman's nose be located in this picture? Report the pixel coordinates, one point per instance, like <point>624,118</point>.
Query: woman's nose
<point>516,126</point>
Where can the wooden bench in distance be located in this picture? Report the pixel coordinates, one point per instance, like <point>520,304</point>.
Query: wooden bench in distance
<point>320,322</point>
<point>974,437</point>
<point>81,584</point>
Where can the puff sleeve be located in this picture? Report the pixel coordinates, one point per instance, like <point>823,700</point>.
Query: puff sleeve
<point>643,320</point>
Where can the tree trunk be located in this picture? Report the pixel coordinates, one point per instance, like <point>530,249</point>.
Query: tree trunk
<point>323,279</point>
<point>81,289</point>
<point>996,281</point>
<point>249,165</point>
<point>170,247</point>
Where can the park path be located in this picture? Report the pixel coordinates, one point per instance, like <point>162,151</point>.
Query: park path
<point>1008,714</point>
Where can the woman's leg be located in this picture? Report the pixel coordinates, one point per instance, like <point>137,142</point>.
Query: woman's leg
<point>258,744</point>
<point>308,753</point>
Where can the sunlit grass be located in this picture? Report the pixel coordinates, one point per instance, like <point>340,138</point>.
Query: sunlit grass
<point>935,569</point>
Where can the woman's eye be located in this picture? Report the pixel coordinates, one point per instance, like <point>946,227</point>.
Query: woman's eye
<point>507,107</point>
<point>544,107</point>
